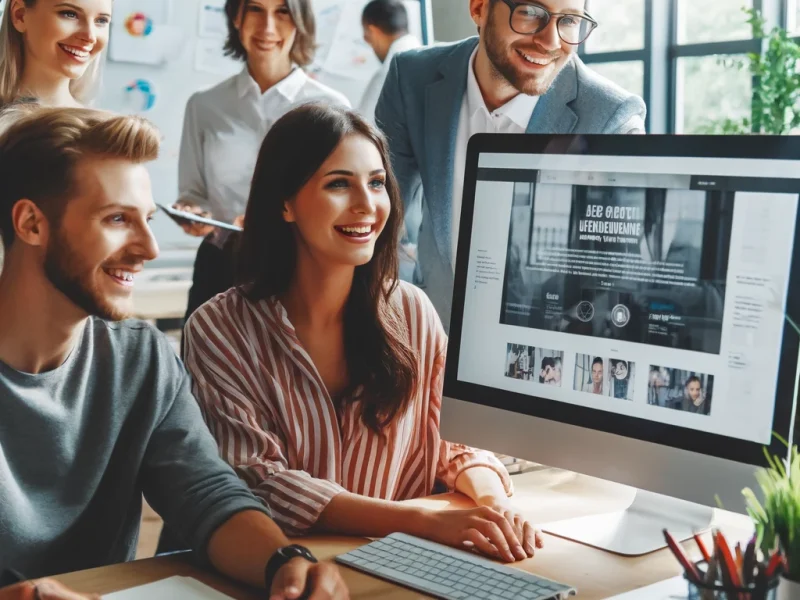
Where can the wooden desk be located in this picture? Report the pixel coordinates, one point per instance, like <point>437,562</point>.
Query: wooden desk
<point>543,496</point>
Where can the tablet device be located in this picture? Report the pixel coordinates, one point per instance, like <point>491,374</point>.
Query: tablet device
<point>180,217</point>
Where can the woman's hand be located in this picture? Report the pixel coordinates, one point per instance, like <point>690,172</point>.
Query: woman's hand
<point>530,537</point>
<point>501,535</point>
<point>195,229</point>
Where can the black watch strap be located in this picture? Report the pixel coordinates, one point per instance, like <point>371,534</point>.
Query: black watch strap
<point>281,557</point>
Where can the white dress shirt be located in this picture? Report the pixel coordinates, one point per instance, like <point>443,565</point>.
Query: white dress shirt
<point>512,117</point>
<point>373,91</point>
<point>222,134</point>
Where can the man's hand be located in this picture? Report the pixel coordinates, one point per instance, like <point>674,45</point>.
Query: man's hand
<point>299,578</point>
<point>43,589</point>
<point>195,229</point>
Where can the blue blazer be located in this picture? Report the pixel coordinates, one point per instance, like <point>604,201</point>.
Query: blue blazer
<point>418,111</point>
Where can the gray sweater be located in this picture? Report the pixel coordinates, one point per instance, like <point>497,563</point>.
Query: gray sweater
<point>79,445</point>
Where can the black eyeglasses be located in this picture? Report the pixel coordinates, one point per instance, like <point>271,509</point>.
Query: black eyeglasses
<point>530,19</point>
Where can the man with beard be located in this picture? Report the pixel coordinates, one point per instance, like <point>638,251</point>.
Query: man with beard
<point>694,398</point>
<point>520,75</point>
<point>97,410</point>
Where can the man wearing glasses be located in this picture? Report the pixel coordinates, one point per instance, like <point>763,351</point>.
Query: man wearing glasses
<point>520,75</point>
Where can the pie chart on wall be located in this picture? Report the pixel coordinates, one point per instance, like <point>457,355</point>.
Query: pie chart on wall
<point>139,24</point>
<point>142,94</point>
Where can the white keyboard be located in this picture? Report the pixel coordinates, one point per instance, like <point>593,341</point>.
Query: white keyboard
<point>447,573</point>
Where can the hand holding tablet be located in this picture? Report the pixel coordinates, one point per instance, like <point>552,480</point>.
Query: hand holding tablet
<point>185,219</point>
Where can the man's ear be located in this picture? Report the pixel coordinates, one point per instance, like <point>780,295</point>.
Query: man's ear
<point>29,222</point>
<point>478,10</point>
<point>374,31</point>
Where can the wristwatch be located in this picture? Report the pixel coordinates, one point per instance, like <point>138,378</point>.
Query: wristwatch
<point>281,557</point>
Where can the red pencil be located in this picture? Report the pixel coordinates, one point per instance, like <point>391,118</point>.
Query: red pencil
<point>703,550</point>
<point>727,562</point>
<point>774,562</point>
<point>684,560</point>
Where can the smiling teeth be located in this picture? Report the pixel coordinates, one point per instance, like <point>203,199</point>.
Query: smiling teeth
<point>537,61</point>
<point>365,229</point>
<point>76,52</point>
<point>124,275</point>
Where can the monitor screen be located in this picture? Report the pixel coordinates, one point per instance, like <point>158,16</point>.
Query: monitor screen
<point>647,289</point>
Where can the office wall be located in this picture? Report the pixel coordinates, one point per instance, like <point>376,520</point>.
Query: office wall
<point>451,20</point>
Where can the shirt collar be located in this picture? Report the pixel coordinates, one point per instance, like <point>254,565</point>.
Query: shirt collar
<point>519,109</point>
<point>401,44</point>
<point>288,87</point>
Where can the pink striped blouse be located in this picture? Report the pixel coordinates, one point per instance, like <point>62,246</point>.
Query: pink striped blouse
<point>276,425</point>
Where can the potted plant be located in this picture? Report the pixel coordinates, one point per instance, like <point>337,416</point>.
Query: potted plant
<point>777,516</point>
<point>775,102</point>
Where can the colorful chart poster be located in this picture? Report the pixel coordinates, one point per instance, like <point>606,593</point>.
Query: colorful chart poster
<point>141,33</point>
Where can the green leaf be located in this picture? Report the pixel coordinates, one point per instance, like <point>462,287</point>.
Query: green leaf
<point>775,101</point>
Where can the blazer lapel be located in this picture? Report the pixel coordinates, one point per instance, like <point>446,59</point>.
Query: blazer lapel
<point>443,99</point>
<point>553,113</point>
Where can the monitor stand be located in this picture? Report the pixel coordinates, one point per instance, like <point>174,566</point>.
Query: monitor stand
<point>639,529</point>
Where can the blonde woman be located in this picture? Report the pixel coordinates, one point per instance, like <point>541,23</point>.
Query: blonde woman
<point>50,50</point>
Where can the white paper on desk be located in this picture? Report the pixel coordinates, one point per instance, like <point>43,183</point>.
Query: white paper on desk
<point>676,588</point>
<point>172,588</point>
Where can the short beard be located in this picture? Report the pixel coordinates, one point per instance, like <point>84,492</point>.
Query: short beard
<point>504,69</point>
<point>63,268</point>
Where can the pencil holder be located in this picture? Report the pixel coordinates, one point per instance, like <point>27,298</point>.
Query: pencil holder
<point>717,591</point>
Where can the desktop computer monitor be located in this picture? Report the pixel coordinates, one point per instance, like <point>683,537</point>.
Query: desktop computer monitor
<point>620,310</point>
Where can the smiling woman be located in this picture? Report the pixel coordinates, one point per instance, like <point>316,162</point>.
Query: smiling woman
<point>321,374</point>
<point>50,49</point>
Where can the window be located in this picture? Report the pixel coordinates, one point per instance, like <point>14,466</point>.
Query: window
<point>794,16</point>
<point>621,25</point>
<point>709,91</point>
<point>712,21</point>
<point>629,75</point>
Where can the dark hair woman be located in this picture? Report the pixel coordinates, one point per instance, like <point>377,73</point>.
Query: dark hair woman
<point>320,374</point>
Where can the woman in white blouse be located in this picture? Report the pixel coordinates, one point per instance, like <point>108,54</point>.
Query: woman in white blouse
<point>225,125</point>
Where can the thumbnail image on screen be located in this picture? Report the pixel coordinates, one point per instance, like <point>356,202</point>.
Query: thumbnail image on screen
<point>550,363</point>
<point>590,375</point>
<point>519,362</point>
<point>534,364</point>
<point>644,265</point>
<point>621,377</point>
<point>604,376</point>
<point>680,390</point>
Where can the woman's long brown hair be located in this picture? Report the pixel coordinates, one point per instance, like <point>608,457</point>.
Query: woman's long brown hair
<point>381,363</point>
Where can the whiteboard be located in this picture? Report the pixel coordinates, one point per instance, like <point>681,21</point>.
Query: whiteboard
<point>193,61</point>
